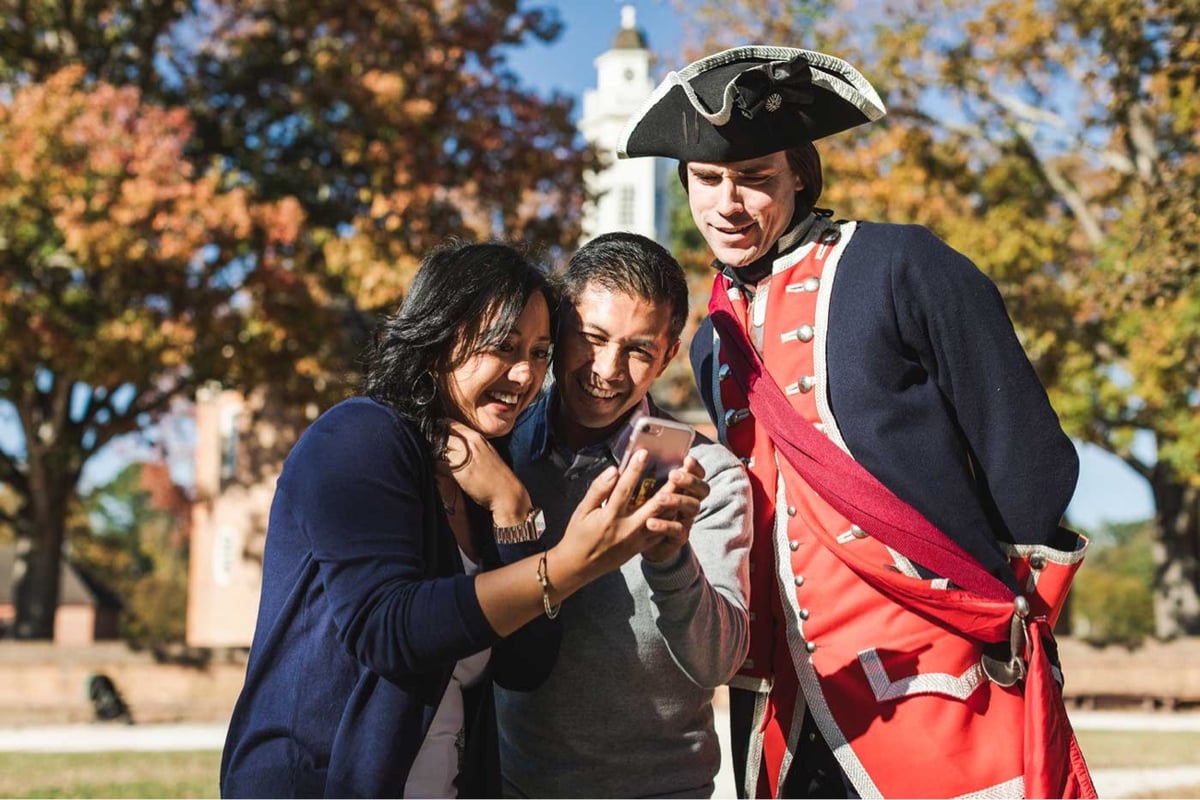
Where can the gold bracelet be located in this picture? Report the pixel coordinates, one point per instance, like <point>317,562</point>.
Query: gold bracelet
<point>544,579</point>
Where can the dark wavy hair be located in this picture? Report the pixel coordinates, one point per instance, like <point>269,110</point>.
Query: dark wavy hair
<point>465,297</point>
<point>631,264</point>
<point>805,161</point>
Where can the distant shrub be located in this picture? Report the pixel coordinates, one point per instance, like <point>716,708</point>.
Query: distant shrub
<point>1112,599</point>
<point>124,538</point>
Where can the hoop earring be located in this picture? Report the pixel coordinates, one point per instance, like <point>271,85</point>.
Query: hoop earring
<point>417,388</point>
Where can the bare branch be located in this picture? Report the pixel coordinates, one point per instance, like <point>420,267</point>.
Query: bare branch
<point>1141,139</point>
<point>1024,116</point>
<point>157,400</point>
<point>10,473</point>
<point>148,402</point>
<point>1100,431</point>
<point>1136,464</point>
<point>1055,177</point>
<point>1028,112</point>
<point>1074,200</point>
<point>1117,161</point>
<point>94,407</point>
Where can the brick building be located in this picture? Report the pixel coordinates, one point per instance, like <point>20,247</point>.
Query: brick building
<point>87,612</point>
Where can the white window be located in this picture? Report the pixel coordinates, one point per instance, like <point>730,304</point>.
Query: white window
<point>625,198</point>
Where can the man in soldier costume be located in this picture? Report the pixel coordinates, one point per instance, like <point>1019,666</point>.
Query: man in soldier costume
<point>899,350</point>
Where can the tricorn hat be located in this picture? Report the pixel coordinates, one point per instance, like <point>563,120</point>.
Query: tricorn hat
<point>748,102</point>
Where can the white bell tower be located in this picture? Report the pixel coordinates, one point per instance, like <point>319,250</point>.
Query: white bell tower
<point>630,195</point>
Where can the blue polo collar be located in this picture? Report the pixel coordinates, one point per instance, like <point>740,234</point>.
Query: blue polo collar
<point>543,440</point>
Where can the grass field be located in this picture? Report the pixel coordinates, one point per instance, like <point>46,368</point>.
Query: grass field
<point>189,774</point>
<point>194,774</point>
<point>1117,749</point>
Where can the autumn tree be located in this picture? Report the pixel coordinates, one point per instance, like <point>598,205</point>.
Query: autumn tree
<point>115,256</point>
<point>1057,143</point>
<point>395,125</point>
<point>229,191</point>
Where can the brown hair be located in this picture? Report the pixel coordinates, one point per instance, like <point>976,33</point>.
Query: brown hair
<point>804,160</point>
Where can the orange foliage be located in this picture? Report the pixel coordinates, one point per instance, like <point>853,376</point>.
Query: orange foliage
<point>108,225</point>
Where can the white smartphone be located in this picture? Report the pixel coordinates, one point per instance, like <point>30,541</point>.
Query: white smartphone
<point>666,443</point>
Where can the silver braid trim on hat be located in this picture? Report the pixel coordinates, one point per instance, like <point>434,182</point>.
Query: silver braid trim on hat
<point>668,83</point>
<point>846,82</point>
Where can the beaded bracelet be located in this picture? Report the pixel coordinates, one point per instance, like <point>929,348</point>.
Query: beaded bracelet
<point>544,579</point>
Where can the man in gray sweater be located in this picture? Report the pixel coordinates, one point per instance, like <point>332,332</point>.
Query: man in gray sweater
<point>626,709</point>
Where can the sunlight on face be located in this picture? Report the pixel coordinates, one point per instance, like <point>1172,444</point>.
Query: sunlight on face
<point>611,348</point>
<point>494,385</point>
<point>741,208</point>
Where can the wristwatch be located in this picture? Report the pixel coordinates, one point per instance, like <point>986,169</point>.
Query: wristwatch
<point>526,531</point>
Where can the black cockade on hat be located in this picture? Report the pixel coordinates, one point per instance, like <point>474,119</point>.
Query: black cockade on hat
<point>772,86</point>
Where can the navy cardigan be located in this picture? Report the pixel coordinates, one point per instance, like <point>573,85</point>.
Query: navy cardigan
<point>934,395</point>
<point>364,613</point>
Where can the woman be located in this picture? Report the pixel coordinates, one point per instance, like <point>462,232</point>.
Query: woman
<point>374,615</point>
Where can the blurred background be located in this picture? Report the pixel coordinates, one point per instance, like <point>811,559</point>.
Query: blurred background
<point>205,205</point>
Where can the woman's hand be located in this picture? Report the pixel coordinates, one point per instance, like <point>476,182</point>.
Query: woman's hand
<point>604,533</point>
<point>484,477</point>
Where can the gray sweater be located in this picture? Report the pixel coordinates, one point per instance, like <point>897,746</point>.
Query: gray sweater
<point>627,708</point>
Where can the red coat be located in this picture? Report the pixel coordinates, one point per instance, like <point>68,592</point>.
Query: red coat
<point>899,695</point>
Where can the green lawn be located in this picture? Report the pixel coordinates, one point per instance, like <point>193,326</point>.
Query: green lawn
<point>122,774</point>
<point>1116,749</point>
<point>194,774</point>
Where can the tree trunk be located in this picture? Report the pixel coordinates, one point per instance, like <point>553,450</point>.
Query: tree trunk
<point>37,587</point>
<point>39,553</point>
<point>1176,557</point>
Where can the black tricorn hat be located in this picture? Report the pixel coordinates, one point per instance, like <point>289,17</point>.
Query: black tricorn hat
<point>748,102</point>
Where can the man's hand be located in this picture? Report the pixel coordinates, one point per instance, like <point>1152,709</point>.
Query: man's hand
<point>678,501</point>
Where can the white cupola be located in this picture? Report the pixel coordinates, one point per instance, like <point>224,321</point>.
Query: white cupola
<point>629,195</point>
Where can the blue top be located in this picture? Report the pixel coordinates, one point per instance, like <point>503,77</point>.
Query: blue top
<point>364,613</point>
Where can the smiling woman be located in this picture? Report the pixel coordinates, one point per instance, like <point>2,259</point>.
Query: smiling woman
<point>478,314</point>
<point>382,591</point>
<point>493,385</point>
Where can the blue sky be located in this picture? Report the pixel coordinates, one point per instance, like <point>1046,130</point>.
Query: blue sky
<point>1107,489</point>
<point>588,30</point>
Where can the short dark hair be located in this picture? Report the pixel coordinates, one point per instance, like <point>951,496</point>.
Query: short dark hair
<point>633,264</point>
<point>464,297</point>
<point>804,160</point>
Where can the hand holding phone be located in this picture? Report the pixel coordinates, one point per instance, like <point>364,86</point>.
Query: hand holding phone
<point>666,443</point>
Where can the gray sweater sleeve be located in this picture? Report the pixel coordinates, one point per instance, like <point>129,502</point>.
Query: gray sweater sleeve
<point>700,598</point>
